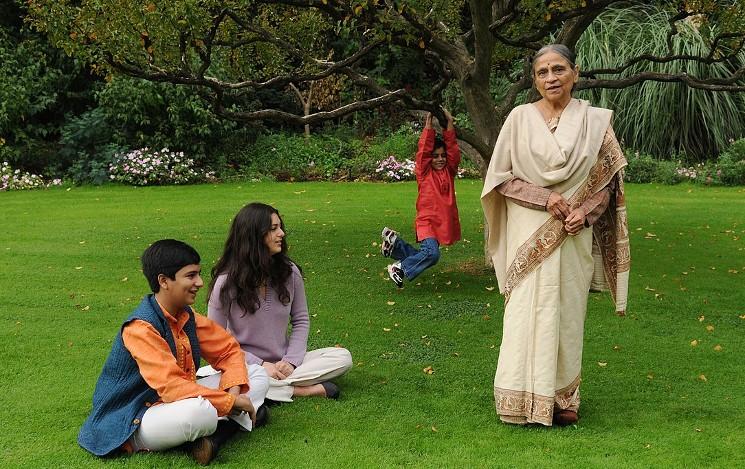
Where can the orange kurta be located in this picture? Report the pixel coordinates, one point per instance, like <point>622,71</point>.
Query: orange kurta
<point>436,209</point>
<point>174,378</point>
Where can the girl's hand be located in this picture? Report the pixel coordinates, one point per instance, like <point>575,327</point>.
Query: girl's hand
<point>284,367</point>
<point>273,371</point>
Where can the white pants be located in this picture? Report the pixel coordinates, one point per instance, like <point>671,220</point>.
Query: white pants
<point>318,366</point>
<point>169,425</point>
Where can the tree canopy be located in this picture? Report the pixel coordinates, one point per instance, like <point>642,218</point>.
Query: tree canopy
<point>231,50</point>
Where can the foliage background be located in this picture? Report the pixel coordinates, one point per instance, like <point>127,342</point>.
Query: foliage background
<point>60,117</point>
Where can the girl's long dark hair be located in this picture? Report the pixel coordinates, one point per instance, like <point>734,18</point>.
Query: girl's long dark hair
<point>247,263</point>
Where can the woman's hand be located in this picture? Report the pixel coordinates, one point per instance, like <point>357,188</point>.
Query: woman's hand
<point>284,367</point>
<point>428,121</point>
<point>575,221</point>
<point>273,371</point>
<point>557,206</point>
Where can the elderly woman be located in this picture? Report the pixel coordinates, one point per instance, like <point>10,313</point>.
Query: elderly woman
<point>553,195</point>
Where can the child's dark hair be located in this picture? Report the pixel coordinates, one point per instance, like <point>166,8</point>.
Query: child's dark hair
<point>439,143</point>
<point>166,257</point>
<point>247,262</point>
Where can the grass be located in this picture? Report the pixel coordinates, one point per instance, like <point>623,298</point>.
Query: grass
<point>69,274</point>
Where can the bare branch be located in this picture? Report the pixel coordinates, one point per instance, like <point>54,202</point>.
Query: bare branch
<point>531,41</point>
<point>711,84</point>
<point>282,116</point>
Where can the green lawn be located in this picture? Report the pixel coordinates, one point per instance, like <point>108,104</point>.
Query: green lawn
<point>69,274</point>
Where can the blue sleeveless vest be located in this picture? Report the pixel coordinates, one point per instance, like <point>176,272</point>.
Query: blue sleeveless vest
<point>122,396</point>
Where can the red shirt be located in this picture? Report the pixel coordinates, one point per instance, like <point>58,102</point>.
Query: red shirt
<point>436,210</point>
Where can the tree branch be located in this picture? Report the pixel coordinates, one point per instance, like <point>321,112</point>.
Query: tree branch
<point>711,84</point>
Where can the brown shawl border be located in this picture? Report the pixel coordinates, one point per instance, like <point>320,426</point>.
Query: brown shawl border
<point>611,229</point>
<point>520,407</point>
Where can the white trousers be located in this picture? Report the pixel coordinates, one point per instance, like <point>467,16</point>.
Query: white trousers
<point>169,425</point>
<point>318,366</point>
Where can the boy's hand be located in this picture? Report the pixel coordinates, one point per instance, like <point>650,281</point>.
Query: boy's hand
<point>451,121</point>
<point>243,404</point>
<point>428,121</point>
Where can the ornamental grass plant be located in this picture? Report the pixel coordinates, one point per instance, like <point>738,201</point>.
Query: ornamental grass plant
<point>662,387</point>
<point>663,118</point>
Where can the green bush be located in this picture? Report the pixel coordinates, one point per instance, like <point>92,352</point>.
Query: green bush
<point>642,168</point>
<point>294,158</point>
<point>401,144</point>
<point>731,164</point>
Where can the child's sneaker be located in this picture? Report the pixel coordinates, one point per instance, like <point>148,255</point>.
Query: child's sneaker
<point>389,240</point>
<point>396,273</point>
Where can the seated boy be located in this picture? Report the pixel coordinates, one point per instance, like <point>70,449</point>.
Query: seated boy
<point>437,219</point>
<point>147,397</point>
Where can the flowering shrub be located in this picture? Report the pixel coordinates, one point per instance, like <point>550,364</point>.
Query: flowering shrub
<point>390,169</point>
<point>11,179</point>
<point>689,173</point>
<point>145,167</point>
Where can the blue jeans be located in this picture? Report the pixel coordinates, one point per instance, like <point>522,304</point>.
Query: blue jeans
<point>414,261</point>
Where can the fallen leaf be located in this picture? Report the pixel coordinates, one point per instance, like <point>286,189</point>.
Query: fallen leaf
<point>391,303</point>
<point>490,288</point>
<point>386,329</point>
<point>649,289</point>
<point>710,328</point>
<point>616,347</point>
<point>650,235</point>
<point>487,317</point>
<point>694,343</point>
<point>602,364</point>
<point>86,308</point>
<point>434,429</point>
<point>701,318</point>
<point>717,348</point>
<point>698,430</point>
<point>448,282</point>
<point>125,279</point>
<point>650,376</point>
<point>702,377</point>
<point>742,316</point>
<point>428,370</point>
<point>79,267</point>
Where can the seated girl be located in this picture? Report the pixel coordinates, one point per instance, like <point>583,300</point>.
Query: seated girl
<point>255,293</point>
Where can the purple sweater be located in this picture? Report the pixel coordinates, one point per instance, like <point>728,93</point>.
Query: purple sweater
<point>263,335</point>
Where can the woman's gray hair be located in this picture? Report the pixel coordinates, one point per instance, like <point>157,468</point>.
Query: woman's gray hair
<point>560,49</point>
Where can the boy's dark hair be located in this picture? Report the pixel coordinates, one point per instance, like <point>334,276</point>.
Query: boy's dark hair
<point>166,257</point>
<point>439,143</point>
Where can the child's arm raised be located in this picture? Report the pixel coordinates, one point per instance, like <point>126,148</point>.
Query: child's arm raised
<point>451,144</point>
<point>425,147</point>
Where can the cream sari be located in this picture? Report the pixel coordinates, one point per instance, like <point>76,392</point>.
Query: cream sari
<point>545,274</point>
